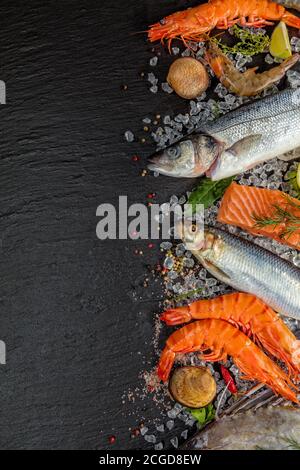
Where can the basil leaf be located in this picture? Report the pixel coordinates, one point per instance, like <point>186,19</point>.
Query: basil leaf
<point>199,415</point>
<point>208,192</point>
<point>203,415</point>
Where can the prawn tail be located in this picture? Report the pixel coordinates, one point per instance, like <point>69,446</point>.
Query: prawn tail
<point>165,364</point>
<point>257,366</point>
<point>289,355</point>
<point>290,62</point>
<point>291,20</point>
<point>176,316</point>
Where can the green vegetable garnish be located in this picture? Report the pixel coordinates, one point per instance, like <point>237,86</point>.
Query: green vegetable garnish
<point>292,177</point>
<point>208,192</point>
<point>203,415</point>
<point>250,43</point>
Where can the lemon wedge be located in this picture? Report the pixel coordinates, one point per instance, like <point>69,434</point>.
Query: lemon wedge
<point>298,176</point>
<point>280,45</point>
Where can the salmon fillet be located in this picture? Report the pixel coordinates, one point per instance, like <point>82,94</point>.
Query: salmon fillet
<point>242,205</point>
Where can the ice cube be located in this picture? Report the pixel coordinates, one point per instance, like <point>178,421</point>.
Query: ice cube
<point>168,263</point>
<point>166,246</point>
<point>129,136</point>
<point>154,89</point>
<point>269,59</point>
<point>150,438</point>
<point>170,424</point>
<point>160,428</point>
<point>174,442</point>
<point>144,430</point>
<point>166,88</point>
<point>152,78</point>
<point>159,446</point>
<point>153,61</point>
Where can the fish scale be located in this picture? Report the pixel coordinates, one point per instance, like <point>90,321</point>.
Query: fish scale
<point>253,269</point>
<point>269,127</point>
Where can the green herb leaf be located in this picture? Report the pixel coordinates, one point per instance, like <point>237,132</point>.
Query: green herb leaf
<point>208,192</point>
<point>249,44</point>
<point>203,415</point>
<point>291,177</point>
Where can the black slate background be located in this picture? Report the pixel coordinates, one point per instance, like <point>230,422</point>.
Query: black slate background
<point>73,332</point>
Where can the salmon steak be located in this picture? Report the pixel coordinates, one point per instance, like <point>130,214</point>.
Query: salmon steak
<point>267,212</point>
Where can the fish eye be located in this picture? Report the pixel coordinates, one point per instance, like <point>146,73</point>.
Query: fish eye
<point>174,152</point>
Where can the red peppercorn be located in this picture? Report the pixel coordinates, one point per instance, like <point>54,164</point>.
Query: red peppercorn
<point>112,439</point>
<point>135,158</point>
<point>150,245</point>
<point>135,433</point>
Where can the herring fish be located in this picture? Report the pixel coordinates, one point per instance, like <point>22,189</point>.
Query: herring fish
<point>240,139</point>
<point>273,428</point>
<point>247,267</point>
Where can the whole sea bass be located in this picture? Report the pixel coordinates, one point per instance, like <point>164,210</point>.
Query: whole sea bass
<point>237,141</point>
<point>247,267</point>
<point>274,428</point>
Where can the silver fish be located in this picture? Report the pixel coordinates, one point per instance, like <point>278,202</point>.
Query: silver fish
<point>274,428</point>
<point>294,4</point>
<point>188,158</point>
<point>244,137</point>
<point>247,267</point>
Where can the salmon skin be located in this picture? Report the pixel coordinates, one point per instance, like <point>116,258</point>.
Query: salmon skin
<point>245,206</point>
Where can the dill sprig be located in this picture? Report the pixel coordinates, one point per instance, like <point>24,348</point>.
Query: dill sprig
<point>282,215</point>
<point>292,443</point>
<point>188,294</point>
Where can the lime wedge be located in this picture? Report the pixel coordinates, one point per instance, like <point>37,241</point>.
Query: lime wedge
<point>280,45</point>
<point>298,176</point>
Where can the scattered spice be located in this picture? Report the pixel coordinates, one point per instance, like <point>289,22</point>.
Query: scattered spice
<point>112,439</point>
<point>135,433</point>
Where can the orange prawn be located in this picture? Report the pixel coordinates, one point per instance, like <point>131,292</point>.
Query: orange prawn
<point>195,23</point>
<point>221,339</point>
<point>256,319</point>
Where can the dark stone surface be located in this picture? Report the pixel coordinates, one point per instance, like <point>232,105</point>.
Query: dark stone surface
<point>72,330</point>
